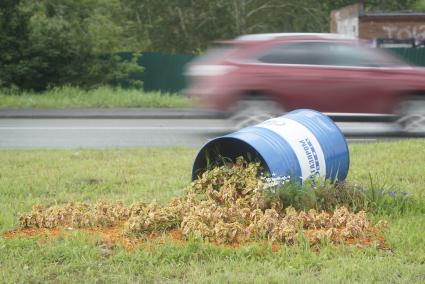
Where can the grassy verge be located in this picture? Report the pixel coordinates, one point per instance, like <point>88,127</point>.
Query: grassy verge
<point>103,97</point>
<point>59,176</point>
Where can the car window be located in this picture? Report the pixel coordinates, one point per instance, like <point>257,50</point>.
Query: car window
<point>351,55</point>
<point>294,53</point>
<point>328,53</point>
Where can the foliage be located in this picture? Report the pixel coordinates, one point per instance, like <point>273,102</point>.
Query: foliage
<point>419,5</point>
<point>189,26</point>
<point>99,97</point>
<point>389,5</point>
<point>16,61</point>
<point>66,42</point>
<point>326,196</point>
<point>51,43</point>
<point>226,205</point>
<point>77,215</point>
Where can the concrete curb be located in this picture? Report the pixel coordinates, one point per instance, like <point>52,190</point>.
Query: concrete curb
<point>113,113</point>
<point>158,113</point>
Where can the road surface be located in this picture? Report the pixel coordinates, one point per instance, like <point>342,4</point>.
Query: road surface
<point>103,133</point>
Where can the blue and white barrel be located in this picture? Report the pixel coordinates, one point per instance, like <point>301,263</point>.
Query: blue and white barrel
<point>303,144</point>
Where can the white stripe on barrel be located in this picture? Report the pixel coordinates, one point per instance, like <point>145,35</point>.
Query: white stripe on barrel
<point>303,142</point>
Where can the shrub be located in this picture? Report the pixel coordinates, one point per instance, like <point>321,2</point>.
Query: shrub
<point>46,43</point>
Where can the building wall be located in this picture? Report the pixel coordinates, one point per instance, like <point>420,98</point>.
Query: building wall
<point>346,20</point>
<point>352,21</point>
<point>395,27</point>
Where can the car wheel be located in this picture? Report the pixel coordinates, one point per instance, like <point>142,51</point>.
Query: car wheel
<point>253,111</point>
<point>411,116</point>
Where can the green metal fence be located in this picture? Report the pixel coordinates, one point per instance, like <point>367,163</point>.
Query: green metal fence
<point>164,72</point>
<point>414,56</point>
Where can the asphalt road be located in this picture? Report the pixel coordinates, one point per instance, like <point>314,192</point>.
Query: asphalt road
<point>103,133</point>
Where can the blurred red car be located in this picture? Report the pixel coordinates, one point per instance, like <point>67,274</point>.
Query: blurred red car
<point>259,76</point>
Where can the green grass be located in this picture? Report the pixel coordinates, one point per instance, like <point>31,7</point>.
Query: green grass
<point>102,97</point>
<point>58,176</point>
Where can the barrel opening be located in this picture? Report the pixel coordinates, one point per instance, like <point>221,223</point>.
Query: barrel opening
<point>222,150</point>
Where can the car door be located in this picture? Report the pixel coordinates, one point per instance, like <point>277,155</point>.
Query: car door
<point>322,75</point>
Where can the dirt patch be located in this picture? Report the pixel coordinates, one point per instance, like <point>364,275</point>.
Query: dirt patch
<point>113,236</point>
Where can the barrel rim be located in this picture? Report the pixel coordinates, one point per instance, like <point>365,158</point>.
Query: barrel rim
<point>228,137</point>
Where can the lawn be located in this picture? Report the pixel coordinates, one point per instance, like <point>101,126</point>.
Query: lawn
<point>60,176</point>
<point>102,97</point>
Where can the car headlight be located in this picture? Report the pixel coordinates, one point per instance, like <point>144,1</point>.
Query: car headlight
<point>209,70</point>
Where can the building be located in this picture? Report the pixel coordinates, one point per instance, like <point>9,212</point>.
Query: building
<point>352,20</point>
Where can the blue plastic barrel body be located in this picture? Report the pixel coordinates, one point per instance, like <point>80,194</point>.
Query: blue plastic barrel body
<point>303,144</point>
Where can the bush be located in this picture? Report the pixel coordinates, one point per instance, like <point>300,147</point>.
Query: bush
<point>47,43</point>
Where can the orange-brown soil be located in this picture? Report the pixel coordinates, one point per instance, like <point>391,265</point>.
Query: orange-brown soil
<point>112,236</point>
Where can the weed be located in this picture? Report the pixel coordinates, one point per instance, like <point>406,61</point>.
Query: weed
<point>327,196</point>
<point>225,205</point>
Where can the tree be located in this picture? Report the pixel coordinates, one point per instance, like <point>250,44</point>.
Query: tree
<point>187,26</point>
<point>57,42</point>
<point>389,5</point>
<point>53,43</point>
<point>17,60</point>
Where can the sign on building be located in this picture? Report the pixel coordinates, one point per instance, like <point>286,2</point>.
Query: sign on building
<point>353,21</point>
